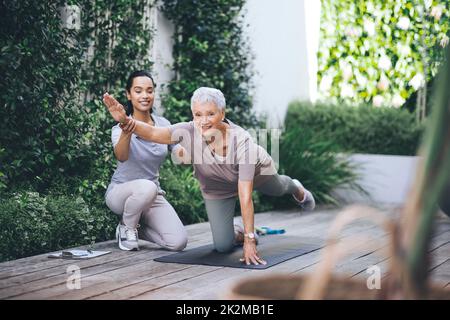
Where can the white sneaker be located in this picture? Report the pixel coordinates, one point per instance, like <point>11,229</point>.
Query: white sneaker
<point>308,203</point>
<point>127,238</point>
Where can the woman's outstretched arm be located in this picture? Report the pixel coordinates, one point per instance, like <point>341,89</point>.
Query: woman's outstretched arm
<point>143,130</point>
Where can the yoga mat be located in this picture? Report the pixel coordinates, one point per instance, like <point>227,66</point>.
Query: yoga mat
<point>274,249</point>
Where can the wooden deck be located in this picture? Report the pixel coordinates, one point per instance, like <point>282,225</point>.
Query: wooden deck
<point>134,275</point>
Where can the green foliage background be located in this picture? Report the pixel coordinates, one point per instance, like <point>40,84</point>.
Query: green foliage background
<point>358,129</point>
<point>53,79</point>
<point>209,50</point>
<point>355,35</point>
<point>55,150</point>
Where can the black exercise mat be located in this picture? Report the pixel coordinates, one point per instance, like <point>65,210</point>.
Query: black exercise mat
<point>272,248</point>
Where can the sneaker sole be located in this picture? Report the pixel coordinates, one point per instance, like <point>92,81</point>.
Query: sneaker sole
<point>299,184</point>
<point>119,242</point>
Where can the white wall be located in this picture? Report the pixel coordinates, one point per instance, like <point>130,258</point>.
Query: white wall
<point>284,39</point>
<point>388,179</point>
<point>161,54</point>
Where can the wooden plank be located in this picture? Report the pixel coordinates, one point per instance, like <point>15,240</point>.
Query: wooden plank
<point>436,254</point>
<point>96,284</point>
<point>61,271</point>
<point>42,286</point>
<point>225,273</point>
<point>208,294</point>
<point>440,276</point>
<point>41,262</point>
<point>356,265</point>
<point>197,266</point>
<point>223,277</point>
<point>156,283</point>
<point>18,277</point>
<point>149,279</point>
<point>50,263</point>
<point>35,288</point>
<point>109,286</point>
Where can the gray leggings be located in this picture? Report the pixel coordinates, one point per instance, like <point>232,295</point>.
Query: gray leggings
<point>221,211</point>
<point>138,201</point>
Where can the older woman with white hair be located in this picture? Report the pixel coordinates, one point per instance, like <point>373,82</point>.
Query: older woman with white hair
<point>227,163</point>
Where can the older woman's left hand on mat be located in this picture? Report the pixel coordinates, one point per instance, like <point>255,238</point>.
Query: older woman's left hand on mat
<point>251,254</point>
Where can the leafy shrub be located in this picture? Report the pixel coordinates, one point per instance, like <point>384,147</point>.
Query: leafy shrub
<point>31,223</point>
<point>52,78</point>
<point>210,52</point>
<point>183,192</point>
<point>38,69</point>
<point>362,129</point>
<point>374,48</point>
<point>316,163</point>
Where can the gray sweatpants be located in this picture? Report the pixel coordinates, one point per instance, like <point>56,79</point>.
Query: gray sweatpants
<point>138,202</point>
<point>221,211</point>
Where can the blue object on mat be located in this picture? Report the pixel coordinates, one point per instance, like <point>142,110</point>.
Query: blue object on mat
<point>267,230</point>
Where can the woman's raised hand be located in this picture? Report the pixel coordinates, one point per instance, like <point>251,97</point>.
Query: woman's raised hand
<point>116,110</point>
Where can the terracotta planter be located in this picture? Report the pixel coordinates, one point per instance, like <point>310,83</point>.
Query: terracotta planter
<point>323,284</point>
<point>288,287</point>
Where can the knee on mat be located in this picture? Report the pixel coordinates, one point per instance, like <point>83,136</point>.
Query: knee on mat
<point>177,244</point>
<point>224,248</point>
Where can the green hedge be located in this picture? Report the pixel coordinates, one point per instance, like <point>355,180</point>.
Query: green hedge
<point>211,52</point>
<point>183,192</point>
<point>31,224</point>
<point>316,162</point>
<point>362,129</point>
<point>374,48</point>
<point>55,123</point>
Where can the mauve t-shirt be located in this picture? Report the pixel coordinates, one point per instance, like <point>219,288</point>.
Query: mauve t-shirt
<point>219,176</point>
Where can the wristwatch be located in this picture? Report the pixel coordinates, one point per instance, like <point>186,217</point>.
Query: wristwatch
<point>250,235</point>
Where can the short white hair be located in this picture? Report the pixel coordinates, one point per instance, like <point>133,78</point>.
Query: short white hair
<point>205,95</point>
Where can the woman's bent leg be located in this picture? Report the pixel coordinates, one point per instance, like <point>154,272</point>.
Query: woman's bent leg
<point>220,214</point>
<point>160,224</point>
<point>278,185</point>
<point>130,199</point>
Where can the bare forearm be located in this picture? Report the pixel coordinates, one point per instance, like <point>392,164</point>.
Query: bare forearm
<point>245,189</point>
<point>151,133</point>
<point>248,214</point>
<point>122,147</point>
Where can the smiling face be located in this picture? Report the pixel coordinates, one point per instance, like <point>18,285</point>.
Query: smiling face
<point>207,117</point>
<point>142,94</point>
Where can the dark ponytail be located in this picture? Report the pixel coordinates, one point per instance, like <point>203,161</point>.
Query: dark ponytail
<point>140,73</point>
